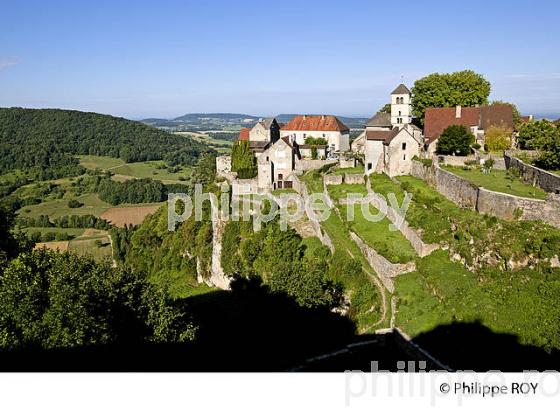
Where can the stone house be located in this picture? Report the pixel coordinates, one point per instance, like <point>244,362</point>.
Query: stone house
<point>264,132</point>
<point>276,166</point>
<point>390,140</point>
<point>476,119</point>
<point>391,151</point>
<point>328,127</point>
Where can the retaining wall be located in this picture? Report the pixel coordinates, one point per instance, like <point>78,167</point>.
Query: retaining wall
<point>505,206</point>
<point>332,179</point>
<point>537,177</point>
<point>354,178</point>
<point>385,269</point>
<point>308,164</point>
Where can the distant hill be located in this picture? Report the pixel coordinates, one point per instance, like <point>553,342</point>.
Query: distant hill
<point>227,121</point>
<point>46,140</point>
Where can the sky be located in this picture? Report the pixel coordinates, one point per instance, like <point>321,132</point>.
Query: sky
<point>162,59</point>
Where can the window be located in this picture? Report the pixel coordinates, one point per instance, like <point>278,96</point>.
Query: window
<point>280,176</point>
<point>404,157</point>
<point>404,146</point>
<point>369,166</point>
<point>400,113</point>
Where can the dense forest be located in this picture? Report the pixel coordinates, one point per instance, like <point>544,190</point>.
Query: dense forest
<point>45,140</point>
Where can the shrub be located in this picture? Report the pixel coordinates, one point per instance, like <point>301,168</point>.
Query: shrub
<point>314,153</point>
<point>498,138</point>
<point>476,145</point>
<point>455,139</point>
<point>74,204</point>
<point>315,141</point>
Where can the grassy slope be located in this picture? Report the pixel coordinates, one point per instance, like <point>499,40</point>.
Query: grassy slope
<point>498,181</point>
<point>391,244</point>
<point>364,291</point>
<point>146,169</point>
<point>59,207</point>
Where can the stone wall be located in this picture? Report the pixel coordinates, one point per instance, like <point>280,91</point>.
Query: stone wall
<point>223,164</point>
<point>537,177</point>
<point>354,179</point>
<point>345,162</point>
<point>244,186</point>
<point>455,160</point>
<point>332,179</point>
<point>385,269</point>
<point>504,206</point>
<point>323,236</point>
<point>459,190</point>
<point>309,164</point>
<point>421,248</point>
<point>511,207</point>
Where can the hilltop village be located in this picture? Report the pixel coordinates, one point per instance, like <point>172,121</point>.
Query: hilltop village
<point>388,144</point>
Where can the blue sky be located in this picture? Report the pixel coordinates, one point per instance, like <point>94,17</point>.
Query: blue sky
<point>166,58</point>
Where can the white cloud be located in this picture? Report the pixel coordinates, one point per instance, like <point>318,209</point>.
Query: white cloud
<point>5,63</point>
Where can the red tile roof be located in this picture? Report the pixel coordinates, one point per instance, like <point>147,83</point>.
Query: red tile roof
<point>438,119</point>
<point>315,123</point>
<point>244,134</point>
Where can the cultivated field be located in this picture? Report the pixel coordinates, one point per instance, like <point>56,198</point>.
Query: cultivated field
<point>91,242</point>
<point>129,215</point>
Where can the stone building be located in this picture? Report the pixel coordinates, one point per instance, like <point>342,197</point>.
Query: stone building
<point>390,140</point>
<point>264,132</point>
<point>391,151</point>
<point>328,127</point>
<point>276,166</point>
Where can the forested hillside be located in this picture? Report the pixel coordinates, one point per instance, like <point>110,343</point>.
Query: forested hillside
<point>45,140</point>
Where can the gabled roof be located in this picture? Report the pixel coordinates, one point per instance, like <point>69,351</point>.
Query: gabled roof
<point>287,141</point>
<point>385,136</point>
<point>267,122</point>
<point>315,123</point>
<point>381,119</point>
<point>401,89</point>
<point>244,134</point>
<point>436,120</point>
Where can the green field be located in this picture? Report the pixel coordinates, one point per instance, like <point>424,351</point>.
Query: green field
<point>498,181</point>
<point>390,244</point>
<point>96,162</point>
<point>338,192</point>
<point>222,146</point>
<point>59,207</point>
<point>86,245</point>
<point>148,169</point>
<point>359,169</point>
<point>364,292</point>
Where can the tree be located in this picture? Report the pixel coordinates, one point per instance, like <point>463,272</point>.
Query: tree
<point>243,161</point>
<point>497,138</point>
<point>73,203</point>
<point>385,109</point>
<point>465,88</point>
<point>60,300</point>
<point>455,140</point>
<point>536,134</point>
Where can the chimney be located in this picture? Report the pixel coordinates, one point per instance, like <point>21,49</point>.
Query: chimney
<point>322,117</point>
<point>458,111</point>
<point>304,117</point>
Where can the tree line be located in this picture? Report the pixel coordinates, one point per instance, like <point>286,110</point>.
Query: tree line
<point>44,141</point>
